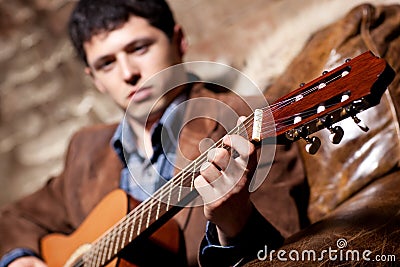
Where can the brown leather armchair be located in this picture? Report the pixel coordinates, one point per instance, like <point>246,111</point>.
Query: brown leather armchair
<point>354,187</point>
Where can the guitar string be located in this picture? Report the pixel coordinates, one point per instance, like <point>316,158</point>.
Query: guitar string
<point>248,121</point>
<point>304,93</point>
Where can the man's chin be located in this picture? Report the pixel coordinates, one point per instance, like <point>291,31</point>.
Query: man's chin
<point>144,118</point>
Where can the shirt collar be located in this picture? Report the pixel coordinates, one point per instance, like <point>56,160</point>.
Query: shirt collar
<point>129,144</point>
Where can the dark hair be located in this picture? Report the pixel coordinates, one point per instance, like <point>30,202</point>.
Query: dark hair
<point>91,17</point>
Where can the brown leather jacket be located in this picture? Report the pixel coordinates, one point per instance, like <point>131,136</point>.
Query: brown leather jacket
<point>92,170</point>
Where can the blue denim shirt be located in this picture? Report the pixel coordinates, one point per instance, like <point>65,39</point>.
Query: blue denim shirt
<point>141,175</point>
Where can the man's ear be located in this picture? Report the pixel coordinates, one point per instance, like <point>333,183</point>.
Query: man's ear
<point>97,84</point>
<point>180,40</point>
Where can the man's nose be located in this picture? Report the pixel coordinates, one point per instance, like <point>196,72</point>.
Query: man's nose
<point>129,70</point>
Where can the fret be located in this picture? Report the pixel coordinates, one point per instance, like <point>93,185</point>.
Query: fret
<point>107,247</point>
<point>98,253</point>
<point>132,228</point>
<point>95,251</point>
<point>158,208</point>
<point>169,195</point>
<point>149,212</point>
<point>98,256</point>
<point>125,232</point>
<point>118,239</point>
<point>181,185</point>
<point>111,245</point>
<point>103,258</point>
<point>193,176</point>
<point>140,220</point>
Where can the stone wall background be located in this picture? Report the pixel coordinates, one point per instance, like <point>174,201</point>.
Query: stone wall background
<point>45,98</point>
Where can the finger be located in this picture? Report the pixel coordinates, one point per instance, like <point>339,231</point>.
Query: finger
<point>220,157</point>
<point>235,171</point>
<point>240,144</point>
<point>210,172</point>
<point>205,189</point>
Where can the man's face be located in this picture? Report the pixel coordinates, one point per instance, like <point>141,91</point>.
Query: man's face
<point>122,60</point>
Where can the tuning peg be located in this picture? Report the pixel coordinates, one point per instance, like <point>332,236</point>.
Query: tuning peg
<point>360,124</point>
<point>344,112</point>
<point>292,135</point>
<point>313,144</point>
<point>325,121</point>
<point>336,134</point>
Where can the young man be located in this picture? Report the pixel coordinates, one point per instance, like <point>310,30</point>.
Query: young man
<point>123,44</point>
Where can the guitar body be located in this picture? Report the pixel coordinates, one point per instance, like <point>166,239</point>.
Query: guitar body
<point>65,250</point>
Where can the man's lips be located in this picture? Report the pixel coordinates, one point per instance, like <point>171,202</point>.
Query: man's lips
<point>140,94</point>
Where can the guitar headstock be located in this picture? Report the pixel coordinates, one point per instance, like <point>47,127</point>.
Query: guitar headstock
<point>343,92</point>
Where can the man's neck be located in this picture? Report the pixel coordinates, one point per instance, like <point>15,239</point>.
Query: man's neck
<point>142,130</point>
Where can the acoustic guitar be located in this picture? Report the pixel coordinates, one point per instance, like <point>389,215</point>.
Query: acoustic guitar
<point>341,93</point>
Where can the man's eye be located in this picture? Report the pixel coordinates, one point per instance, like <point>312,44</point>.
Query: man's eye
<point>105,65</point>
<point>138,49</point>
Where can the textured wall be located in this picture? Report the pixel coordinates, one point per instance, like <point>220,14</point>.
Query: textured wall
<point>44,97</point>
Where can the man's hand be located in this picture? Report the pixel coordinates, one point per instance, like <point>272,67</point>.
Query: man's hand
<point>29,261</point>
<point>223,185</point>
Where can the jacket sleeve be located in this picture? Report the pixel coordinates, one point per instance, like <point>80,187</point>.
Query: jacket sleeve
<point>25,222</point>
<point>257,235</point>
<point>15,254</point>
